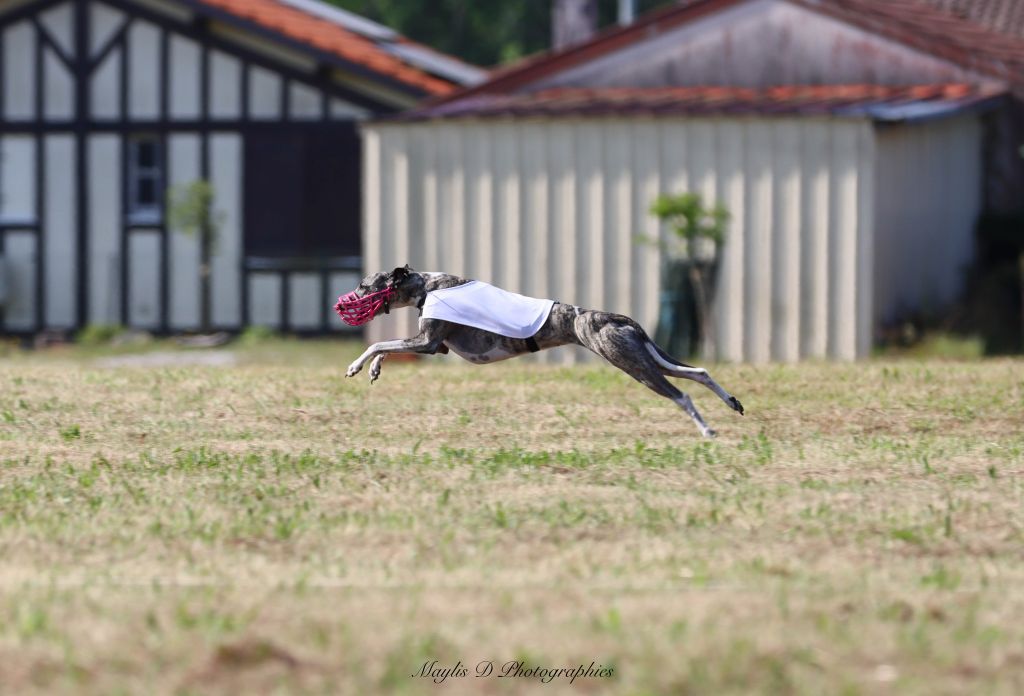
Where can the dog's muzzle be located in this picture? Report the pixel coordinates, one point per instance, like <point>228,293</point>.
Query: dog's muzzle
<point>356,311</point>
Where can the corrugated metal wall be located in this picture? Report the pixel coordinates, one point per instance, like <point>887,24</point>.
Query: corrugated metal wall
<point>552,208</point>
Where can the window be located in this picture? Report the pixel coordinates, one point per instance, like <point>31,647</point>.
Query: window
<point>145,181</point>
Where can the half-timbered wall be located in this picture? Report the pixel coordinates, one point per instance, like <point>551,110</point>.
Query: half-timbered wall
<point>80,81</point>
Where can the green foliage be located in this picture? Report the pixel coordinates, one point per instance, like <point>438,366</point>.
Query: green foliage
<point>191,210</point>
<point>949,347</point>
<point>685,325</point>
<point>98,334</point>
<point>481,33</point>
<point>689,218</point>
<point>256,334</point>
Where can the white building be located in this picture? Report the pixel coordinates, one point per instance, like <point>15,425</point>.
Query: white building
<point>104,105</point>
<point>846,138</point>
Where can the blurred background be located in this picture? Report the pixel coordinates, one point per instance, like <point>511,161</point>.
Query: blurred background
<point>753,180</point>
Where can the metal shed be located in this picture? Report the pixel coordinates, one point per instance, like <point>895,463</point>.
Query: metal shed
<point>552,207</point>
<point>853,199</point>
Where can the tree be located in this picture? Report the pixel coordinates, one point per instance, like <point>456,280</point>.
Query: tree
<point>481,33</point>
<point>690,221</point>
<point>190,209</point>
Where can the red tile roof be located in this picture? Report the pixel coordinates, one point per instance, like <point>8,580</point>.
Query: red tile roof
<point>911,22</point>
<point>330,38</point>
<point>874,101</point>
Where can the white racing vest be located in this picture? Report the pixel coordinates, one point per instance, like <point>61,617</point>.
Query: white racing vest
<point>486,307</point>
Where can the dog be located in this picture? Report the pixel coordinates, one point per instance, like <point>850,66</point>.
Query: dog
<point>615,337</point>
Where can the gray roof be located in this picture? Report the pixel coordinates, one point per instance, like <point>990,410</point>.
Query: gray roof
<point>389,40</point>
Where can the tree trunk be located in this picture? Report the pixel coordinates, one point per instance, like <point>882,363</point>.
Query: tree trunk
<point>700,296</point>
<point>204,279</point>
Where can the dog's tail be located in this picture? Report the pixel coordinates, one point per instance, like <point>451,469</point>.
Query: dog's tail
<point>655,348</point>
<point>669,365</point>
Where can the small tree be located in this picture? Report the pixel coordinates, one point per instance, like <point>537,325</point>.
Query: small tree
<point>190,209</point>
<point>690,220</point>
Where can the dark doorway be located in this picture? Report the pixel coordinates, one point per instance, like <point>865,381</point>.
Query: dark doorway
<point>303,196</point>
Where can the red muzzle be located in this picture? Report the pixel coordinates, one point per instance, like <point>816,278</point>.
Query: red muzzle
<point>356,311</point>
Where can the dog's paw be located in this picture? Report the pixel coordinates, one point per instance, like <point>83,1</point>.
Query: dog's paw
<point>353,369</point>
<point>375,368</point>
<point>710,434</point>
<point>736,405</point>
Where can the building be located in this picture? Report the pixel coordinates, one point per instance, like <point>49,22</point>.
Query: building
<point>106,105</point>
<point>854,142</point>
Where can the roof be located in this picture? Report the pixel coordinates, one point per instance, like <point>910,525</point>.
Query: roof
<point>883,103</point>
<point>1006,16</point>
<point>351,40</point>
<point>936,32</point>
<point>910,22</point>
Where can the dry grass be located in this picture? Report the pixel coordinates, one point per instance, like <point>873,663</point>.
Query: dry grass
<point>274,527</point>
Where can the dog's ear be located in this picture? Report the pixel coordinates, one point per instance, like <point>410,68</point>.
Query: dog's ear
<point>400,274</point>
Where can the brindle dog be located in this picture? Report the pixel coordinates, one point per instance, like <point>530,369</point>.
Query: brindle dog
<point>616,338</point>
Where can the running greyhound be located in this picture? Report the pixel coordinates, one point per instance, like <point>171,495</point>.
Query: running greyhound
<point>481,337</point>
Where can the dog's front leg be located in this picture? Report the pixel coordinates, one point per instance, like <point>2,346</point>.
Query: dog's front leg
<point>375,365</point>
<point>401,345</point>
<point>428,340</point>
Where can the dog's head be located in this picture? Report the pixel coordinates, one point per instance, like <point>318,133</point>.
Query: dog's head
<point>380,292</point>
<point>402,282</point>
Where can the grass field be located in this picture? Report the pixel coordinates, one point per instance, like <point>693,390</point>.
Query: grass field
<point>273,527</point>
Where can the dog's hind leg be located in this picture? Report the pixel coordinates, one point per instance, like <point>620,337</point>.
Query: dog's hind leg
<point>698,374</point>
<point>621,345</point>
